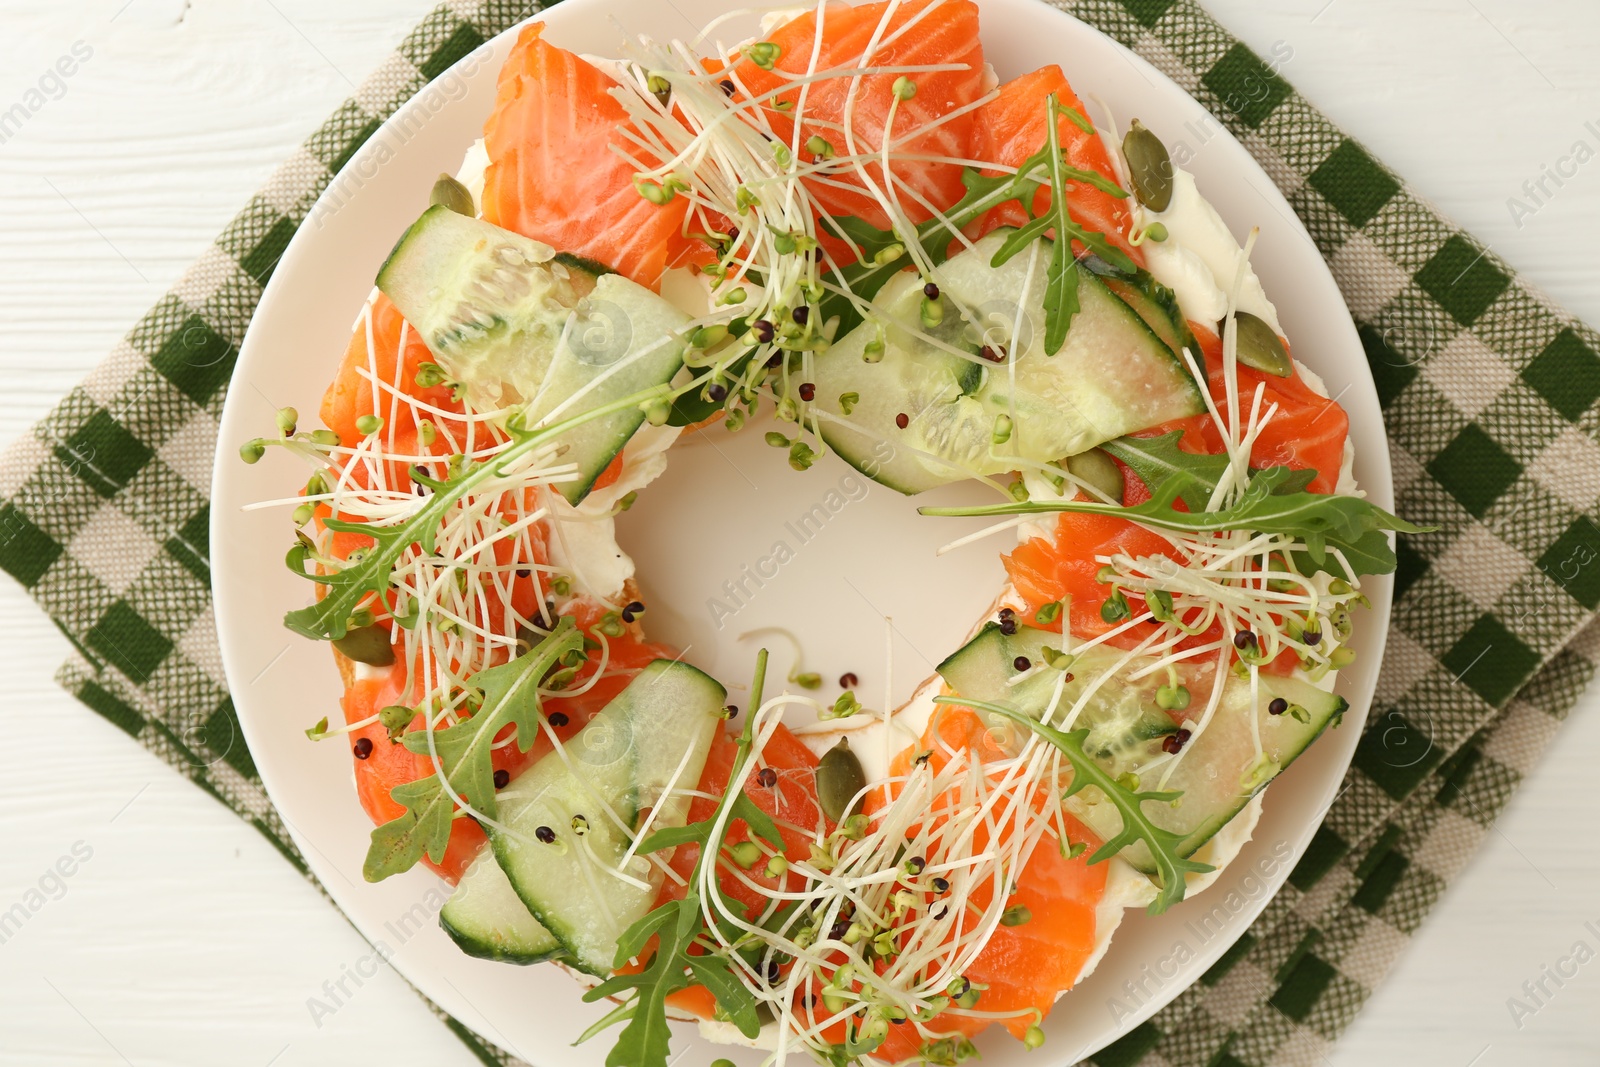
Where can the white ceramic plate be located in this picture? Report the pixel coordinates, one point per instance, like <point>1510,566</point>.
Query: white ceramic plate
<point>721,508</point>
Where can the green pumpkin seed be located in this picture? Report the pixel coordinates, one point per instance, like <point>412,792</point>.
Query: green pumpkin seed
<point>450,193</point>
<point>1149,167</point>
<point>839,779</point>
<point>368,644</point>
<point>1096,469</point>
<point>1260,347</point>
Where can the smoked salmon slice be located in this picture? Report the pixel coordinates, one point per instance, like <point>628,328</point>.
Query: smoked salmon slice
<point>1011,127</point>
<point>554,174</point>
<point>929,129</point>
<point>1024,967</point>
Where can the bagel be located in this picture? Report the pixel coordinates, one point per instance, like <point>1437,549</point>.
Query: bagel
<point>693,249</point>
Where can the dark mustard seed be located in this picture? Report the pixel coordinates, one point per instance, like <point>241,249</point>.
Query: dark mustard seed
<point>1243,640</point>
<point>773,972</point>
<point>1312,637</point>
<point>915,864</point>
<point>848,680</point>
<point>1278,706</point>
<point>730,710</point>
<point>546,835</point>
<point>727,87</point>
<point>931,291</point>
<point>767,777</point>
<point>502,778</point>
<point>1006,613</point>
<point>524,572</point>
<point>837,931</point>
<point>1021,663</point>
<point>559,719</point>
<point>718,393</point>
<point>992,353</point>
<point>800,315</point>
<point>362,748</point>
<point>1008,626</point>
<point>808,392</point>
<point>764,331</point>
<point>902,420</point>
<point>1174,742</point>
<point>940,885</point>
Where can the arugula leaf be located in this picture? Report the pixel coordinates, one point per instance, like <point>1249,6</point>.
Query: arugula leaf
<point>1061,276</point>
<point>1154,459</point>
<point>698,833</point>
<point>1136,825</point>
<point>869,238</point>
<point>1324,521</point>
<point>646,1040</point>
<point>511,697</point>
<point>329,618</point>
<point>760,823</point>
<point>733,998</point>
<point>398,845</point>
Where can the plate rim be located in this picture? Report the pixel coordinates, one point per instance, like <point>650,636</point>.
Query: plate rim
<point>1376,480</point>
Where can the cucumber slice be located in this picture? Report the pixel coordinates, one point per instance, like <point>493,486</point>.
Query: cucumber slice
<point>1113,377</point>
<point>1158,307</point>
<point>914,377</point>
<point>659,728</point>
<point>488,920</point>
<point>1220,774</point>
<point>1217,776</point>
<point>1122,717</point>
<point>519,324</point>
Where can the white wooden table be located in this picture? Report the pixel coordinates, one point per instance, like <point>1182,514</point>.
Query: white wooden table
<point>185,939</point>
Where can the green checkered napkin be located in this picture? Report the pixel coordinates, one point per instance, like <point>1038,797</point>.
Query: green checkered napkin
<point>1489,396</point>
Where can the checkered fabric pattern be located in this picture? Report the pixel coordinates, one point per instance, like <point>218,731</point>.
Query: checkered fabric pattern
<point>1489,394</point>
